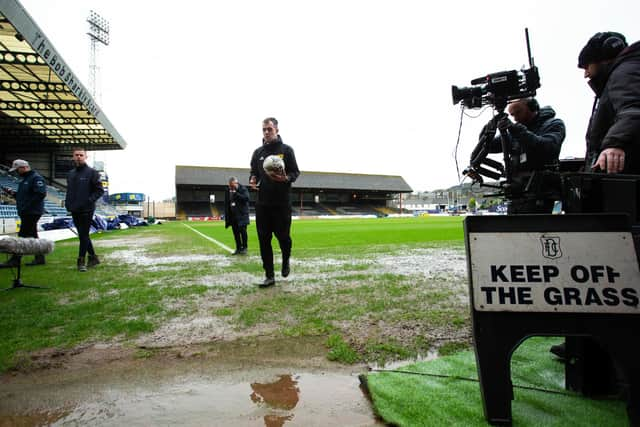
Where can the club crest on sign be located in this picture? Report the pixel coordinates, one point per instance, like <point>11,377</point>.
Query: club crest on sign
<point>551,247</point>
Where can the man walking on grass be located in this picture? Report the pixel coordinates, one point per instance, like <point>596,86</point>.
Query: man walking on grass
<point>84,188</point>
<point>273,205</point>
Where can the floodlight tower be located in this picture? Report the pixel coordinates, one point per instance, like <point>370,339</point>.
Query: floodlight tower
<point>98,34</point>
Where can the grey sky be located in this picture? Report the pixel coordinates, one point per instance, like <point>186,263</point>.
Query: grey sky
<point>358,86</point>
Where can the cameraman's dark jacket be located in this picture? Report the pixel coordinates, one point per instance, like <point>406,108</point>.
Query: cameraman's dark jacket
<point>272,192</point>
<point>615,119</point>
<point>84,188</point>
<point>236,207</point>
<point>31,193</point>
<point>540,142</point>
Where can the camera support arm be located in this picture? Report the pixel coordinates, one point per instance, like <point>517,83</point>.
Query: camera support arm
<point>479,155</point>
<point>505,140</point>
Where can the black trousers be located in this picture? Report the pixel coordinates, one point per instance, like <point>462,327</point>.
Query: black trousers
<point>240,235</point>
<point>82,220</point>
<point>29,225</point>
<point>273,220</point>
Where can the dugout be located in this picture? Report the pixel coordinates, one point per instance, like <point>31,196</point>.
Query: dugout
<point>200,192</point>
<point>45,110</point>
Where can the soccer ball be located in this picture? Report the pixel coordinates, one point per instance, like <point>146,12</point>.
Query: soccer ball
<point>273,164</point>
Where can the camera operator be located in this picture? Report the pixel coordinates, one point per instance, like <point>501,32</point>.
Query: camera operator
<point>536,138</point>
<point>613,135</point>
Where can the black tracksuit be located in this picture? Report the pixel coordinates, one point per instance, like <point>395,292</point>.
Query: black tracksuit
<point>273,204</point>
<point>84,188</point>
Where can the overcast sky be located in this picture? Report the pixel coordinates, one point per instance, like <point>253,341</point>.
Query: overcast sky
<point>358,86</point>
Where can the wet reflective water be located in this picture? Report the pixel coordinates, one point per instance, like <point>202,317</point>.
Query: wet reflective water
<point>212,391</point>
<point>285,399</point>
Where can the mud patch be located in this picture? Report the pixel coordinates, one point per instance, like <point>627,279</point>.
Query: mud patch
<point>187,331</point>
<point>80,357</point>
<point>128,242</point>
<point>440,270</point>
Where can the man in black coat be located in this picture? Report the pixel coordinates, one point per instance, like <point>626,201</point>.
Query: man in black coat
<point>84,188</point>
<point>536,139</point>
<point>236,213</point>
<point>273,205</point>
<point>613,135</point>
<point>30,196</point>
<point>613,70</point>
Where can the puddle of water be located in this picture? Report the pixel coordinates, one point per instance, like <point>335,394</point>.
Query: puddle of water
<point>399,364</point>
<point>270,400</point>
<point>271,383</point>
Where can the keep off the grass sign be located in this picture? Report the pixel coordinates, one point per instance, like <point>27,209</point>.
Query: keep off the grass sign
<point>578,272</point>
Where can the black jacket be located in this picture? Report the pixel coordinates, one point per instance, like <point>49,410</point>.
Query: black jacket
<point>84,188</point>
<point>32,191</point>
<point>537,145</point>
<point>272,192</point>
<point>236,207</point>
<point>615,120</point>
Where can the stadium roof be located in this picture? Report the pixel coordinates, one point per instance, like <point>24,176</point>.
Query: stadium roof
<point>42,102</point>
<point>218,176</point>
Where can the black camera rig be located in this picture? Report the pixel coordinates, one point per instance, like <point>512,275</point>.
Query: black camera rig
<point>497,89</point>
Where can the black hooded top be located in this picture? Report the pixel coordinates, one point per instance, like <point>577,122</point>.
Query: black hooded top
<point>272,192</point>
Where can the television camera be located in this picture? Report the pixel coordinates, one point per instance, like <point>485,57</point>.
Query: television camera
<point>598,364</point>
<point>496,90</point>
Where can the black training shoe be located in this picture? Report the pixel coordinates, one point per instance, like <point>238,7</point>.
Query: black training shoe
<point>285,268</point>
<point>559,351</point>
<point>269,281</point>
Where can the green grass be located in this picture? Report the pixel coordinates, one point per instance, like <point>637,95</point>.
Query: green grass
<point>421,400</point>
<point>121,301</point>
<point>341,351</point>
<point>355,237</point>
<point>336,291</point>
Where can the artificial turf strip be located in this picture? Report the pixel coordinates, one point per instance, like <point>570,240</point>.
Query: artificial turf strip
<point>420,400</point>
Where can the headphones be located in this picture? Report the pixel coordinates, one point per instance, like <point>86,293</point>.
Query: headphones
<point>611,43</point>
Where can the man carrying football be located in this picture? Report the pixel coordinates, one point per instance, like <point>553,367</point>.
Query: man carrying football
<point>273,204</point>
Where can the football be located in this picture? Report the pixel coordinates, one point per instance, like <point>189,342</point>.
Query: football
<point>273,164</point>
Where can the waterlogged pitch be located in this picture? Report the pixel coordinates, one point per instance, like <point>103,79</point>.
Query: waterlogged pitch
<point>381,289</point>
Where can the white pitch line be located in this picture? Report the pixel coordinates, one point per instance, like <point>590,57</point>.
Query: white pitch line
<point>211,239</point>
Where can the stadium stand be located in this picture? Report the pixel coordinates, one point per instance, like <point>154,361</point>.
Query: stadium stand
<point>196,209</point>
<point>357,210</point>
<point>8,211</point>
<point>313,194</point>
<point>54,210</point>
<point>59,116</point>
